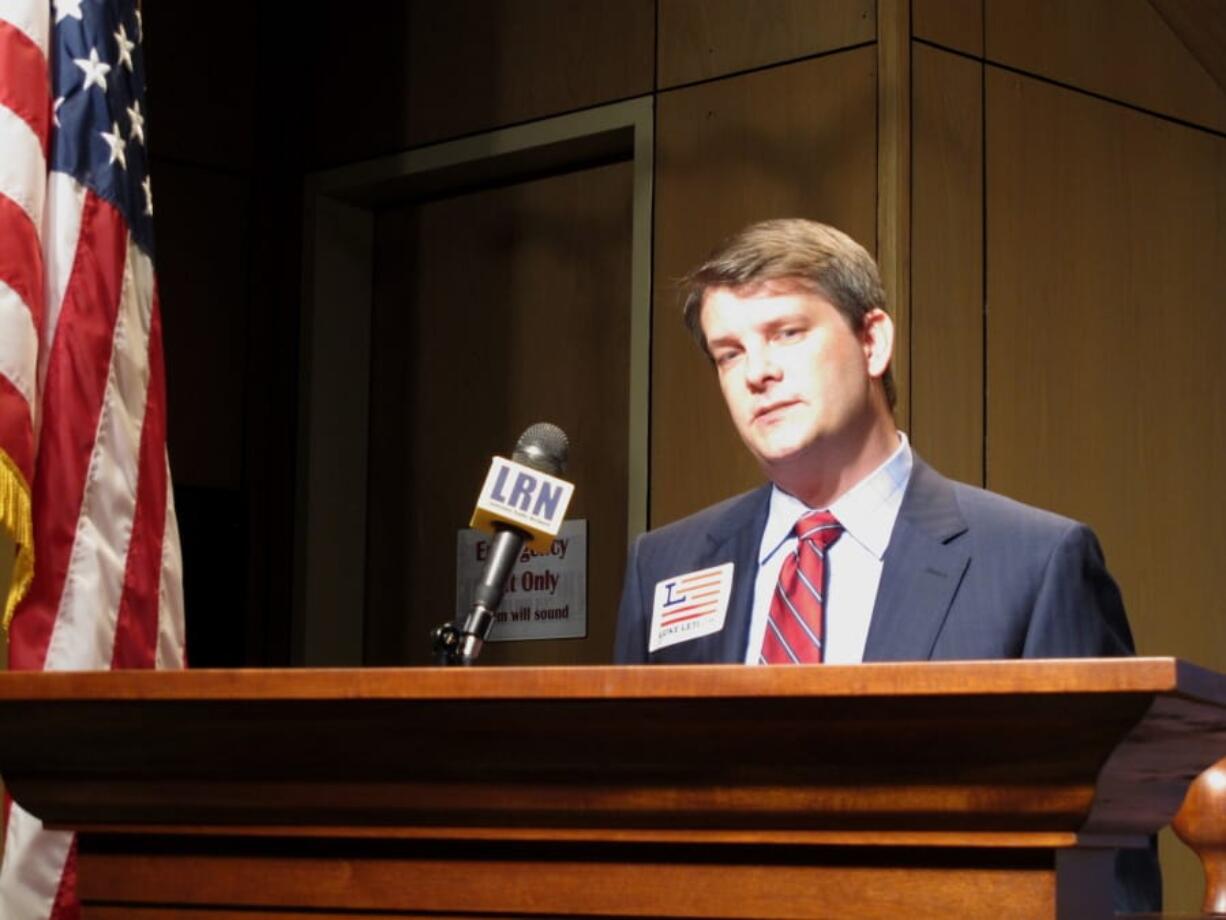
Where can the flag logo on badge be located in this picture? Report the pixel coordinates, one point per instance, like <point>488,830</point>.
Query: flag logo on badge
<point>690,606</point>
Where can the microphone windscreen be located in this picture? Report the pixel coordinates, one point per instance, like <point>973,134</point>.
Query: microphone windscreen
<point>544,447</point>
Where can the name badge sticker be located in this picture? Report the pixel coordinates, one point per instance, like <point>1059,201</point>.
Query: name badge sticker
<point>690,606</point>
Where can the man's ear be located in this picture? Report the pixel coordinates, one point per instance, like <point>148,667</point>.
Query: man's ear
<point>877,337</point>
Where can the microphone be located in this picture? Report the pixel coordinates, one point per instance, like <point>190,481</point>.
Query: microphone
<point>522,501</point>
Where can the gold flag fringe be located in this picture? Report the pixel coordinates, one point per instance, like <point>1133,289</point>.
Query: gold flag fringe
<point>16,518</point>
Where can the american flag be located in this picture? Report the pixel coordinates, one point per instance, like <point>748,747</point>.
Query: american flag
<point>690,606</point>
<point>84,482</point>
<point>693,596</point>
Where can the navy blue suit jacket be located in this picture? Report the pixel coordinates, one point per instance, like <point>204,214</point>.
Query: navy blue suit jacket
<point>967,575</point>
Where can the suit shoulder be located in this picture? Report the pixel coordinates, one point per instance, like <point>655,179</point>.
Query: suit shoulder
<point>946,507</point>
<point>994,511</point>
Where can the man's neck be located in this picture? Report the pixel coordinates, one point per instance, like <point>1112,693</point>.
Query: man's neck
<point>821,481</point>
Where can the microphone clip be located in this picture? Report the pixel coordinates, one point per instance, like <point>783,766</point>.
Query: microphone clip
<point>454,645</point>
<point>445,641</point>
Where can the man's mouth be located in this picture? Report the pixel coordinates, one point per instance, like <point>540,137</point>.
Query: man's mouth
<point>770,410</point>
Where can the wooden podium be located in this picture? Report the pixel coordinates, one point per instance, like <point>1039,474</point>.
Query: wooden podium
<point>908,790</point>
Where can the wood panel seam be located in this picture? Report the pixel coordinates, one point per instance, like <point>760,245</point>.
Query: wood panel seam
<point>771,66</point>
<point>894,163</point>
<point>983,263</point>
<point>1008,68</point>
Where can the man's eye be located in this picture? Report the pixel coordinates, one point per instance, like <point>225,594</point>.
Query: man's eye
<point>725,357</point>
<point>790,333</point>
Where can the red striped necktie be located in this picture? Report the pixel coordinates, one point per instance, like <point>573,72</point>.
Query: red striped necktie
<point>796,630</point>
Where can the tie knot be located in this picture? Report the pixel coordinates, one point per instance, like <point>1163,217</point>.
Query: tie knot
<point>821,527</point>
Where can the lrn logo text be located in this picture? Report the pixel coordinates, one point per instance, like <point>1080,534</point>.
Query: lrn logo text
<point>519,489</point>
<point>519,496</point>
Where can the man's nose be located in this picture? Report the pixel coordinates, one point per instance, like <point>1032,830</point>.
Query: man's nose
<point>761,368</point>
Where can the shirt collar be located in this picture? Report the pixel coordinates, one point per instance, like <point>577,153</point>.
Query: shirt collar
<point>867,510</point>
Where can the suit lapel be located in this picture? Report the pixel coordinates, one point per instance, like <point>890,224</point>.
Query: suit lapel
<point>740,543</point>
<point>734,538</point>
<point>922,569</point>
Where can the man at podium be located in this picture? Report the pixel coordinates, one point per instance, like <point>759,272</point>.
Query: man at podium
<point>856,550</point>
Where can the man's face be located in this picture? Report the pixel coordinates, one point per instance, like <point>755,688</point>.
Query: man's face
<point>797,379</point>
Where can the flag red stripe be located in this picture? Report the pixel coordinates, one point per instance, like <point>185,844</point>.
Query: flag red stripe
<point>693,616</point>
<point>21,257</point>
<point>77,372</point>
<point>136,630</point>
<point>686,608</point>
<point>66,905</point>
<point>16,431</point>
<point>25,85</point>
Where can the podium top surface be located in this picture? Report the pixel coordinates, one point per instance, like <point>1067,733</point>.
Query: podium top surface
<point>1106,676</point>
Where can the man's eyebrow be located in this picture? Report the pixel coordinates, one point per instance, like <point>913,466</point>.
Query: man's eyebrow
<point>788,319</point>
<point>722,340</point>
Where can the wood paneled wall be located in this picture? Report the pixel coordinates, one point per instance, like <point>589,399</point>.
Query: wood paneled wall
<point>702,39</point>
<point>947,305</point>
<point>423,71</point>
<point>493,310</point>
<point>1069,187</point>
<point>1105,247</point>
<point>956,24</point>
<point>1122,50</point>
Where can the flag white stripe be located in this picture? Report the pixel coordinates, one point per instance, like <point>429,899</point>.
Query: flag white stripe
<point>23,166</point>
<point>61,233</point>
<point>18,342</point>
<point>84,633</point>
<point>172,626</point>
<point>33,864</point>
<point>33,19</point>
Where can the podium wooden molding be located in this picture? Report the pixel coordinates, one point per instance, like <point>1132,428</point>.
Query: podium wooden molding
<point>971,789</point>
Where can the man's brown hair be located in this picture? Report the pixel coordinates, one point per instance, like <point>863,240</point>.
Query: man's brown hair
<point>816,257</point>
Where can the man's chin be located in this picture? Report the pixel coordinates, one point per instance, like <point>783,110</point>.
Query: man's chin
<point>779,457</point>
<point>800,451</point>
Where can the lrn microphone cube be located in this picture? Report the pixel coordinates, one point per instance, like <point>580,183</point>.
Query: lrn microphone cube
<point>525,498</point>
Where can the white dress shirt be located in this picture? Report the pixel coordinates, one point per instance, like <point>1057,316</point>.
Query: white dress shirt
<point>867,512</point>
